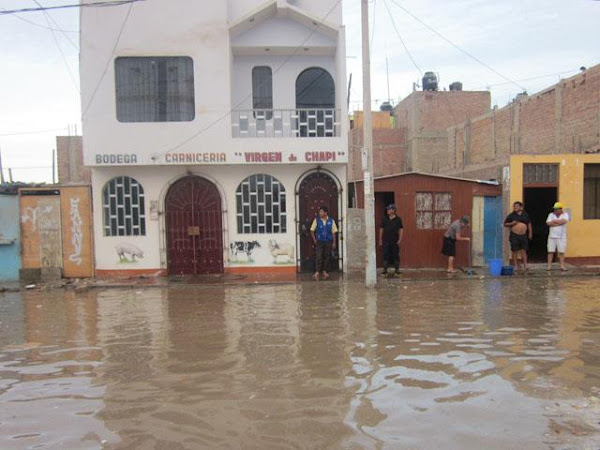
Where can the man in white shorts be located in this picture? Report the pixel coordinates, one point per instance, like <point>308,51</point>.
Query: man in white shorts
<point>557,238</point>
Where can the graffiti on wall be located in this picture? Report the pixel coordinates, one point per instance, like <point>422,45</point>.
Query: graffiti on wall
<point>76,232</point>
<point>128,252</point>
<point>33,215</point>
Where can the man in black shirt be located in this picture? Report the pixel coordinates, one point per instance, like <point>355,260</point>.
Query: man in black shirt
<point>390,238</point>
<point>521,232</point>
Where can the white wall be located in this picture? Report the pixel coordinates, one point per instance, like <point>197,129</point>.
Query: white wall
<point>198,30</point>
<point>156,182</point>
<point>284,80</point>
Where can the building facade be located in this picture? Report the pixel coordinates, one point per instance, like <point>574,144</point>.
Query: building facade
<point>213,131</point>
<point>10,237</point>
<point>573,179</point>
<point>427,205</point>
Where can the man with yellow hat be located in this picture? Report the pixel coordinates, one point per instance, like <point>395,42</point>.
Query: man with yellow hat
<point>557,238</point>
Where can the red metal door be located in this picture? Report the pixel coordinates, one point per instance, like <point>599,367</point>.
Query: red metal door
<point>316,190</point>
<point>194,227</point>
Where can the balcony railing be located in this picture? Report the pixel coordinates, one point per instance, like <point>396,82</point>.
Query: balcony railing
<point>286,123</point>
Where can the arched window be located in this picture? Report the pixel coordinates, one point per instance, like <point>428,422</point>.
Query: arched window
<point>260,201</point>
<point>315,104</point>
<point>124,207</point>
<point>315,89</point>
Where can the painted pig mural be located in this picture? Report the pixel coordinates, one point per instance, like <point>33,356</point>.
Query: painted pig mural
<point>128,249</point>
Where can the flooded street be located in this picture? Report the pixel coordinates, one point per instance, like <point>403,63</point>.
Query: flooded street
<point>466,364</point>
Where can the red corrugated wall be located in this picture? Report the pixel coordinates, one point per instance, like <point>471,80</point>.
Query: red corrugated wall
<point>422,248</point>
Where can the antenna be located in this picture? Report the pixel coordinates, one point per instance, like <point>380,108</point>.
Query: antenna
<point>1,168</point>
<point>387,69</point>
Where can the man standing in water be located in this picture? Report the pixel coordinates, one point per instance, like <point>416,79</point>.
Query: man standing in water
<point>390,238</point>
<point>521,232</point>
<point>557,238</point>
<point>450,237</point>
<point>323,231</point>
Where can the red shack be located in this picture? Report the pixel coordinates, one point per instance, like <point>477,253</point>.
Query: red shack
<point>427,205</point>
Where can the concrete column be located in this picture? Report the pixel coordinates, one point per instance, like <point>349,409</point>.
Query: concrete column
<point>558,115</point>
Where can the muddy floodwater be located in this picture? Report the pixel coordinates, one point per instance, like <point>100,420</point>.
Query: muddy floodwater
<point>469,364</point>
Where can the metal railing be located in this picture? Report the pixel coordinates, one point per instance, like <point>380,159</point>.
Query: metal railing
<point>286,123</point>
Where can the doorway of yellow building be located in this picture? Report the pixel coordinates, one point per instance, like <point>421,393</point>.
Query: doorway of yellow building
<point>538,202</point>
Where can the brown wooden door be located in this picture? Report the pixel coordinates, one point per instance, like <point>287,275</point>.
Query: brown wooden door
<point>194,227</point>
<point>316,190</point>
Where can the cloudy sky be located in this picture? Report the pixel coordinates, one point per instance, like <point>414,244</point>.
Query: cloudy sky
<point>533,43</point>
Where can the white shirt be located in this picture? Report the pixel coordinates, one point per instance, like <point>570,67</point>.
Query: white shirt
<point>559,232</point>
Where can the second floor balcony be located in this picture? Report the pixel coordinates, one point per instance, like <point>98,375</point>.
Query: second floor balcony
<point>286,123</point>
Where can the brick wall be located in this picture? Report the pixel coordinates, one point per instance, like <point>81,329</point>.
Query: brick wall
<point>427,116</point>
<point>70,160</point>
<point>389,152</point>
<point>565,118</point>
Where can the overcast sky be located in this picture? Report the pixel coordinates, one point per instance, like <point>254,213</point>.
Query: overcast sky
<point>531,42</point>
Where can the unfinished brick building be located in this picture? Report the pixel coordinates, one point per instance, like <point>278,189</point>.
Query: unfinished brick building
<point>543,148</point>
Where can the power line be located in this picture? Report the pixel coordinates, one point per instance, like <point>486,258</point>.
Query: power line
<point>31,22</point>
<point>228,113</point>
<point>64,58</point>
<point>527,79</point>
<point>400,37</point>
<point>456,46</point>
<point>112,53</point>
<point>49,17</point>
<point>78,5</point>
<point>21,133</point>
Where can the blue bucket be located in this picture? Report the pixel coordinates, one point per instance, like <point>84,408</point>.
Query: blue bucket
<point>495,267</point>
<point>508,271</point>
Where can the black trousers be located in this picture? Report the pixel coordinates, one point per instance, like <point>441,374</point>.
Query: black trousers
<point>391,255</point>
<point>322,255</point>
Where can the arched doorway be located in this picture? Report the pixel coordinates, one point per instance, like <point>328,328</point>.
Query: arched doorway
<point>194,228</point>
<point>316,190</point>
<point>315,103</point>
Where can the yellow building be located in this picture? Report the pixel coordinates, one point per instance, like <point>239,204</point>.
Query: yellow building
<point>573,179</point>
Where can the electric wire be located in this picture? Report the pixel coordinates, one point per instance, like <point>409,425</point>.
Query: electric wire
<point>22,133</point>
<point>49,17</point>
<point>112,53</point>
<point>470,55</point>
<point>31,22</point>
<point>228,113</point>
<point>5,12</point>
<point>400,37</point>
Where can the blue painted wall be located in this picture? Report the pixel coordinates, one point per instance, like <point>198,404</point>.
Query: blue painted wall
<point>10,254</point>
<point>492,228</point>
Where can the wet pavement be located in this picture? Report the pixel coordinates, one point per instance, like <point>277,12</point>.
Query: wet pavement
<point>474,363</point>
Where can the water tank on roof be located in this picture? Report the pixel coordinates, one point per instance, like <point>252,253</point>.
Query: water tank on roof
<point>430,82</point>
<point>456,86</point>
<point>386,106</point>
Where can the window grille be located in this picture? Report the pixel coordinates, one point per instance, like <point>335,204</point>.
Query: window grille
<point>591,191</point>
<point>155,89</point>
<point>433,210</point>
<point>260,203</point>
<point>123,205</point>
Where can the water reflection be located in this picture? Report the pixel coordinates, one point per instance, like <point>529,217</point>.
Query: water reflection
<point>475,364</point>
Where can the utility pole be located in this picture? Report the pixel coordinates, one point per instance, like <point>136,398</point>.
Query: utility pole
<point>53,166</point>
<point>368,185</point>
<point>1,168</point>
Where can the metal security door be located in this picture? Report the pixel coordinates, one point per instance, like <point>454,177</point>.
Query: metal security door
<point>194,228</point>
<point>492,228</point>
<point>316,190</point>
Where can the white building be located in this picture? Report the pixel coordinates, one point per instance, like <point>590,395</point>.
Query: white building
<point>214,130</point>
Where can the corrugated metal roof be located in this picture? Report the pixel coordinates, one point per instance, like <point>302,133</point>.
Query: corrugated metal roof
<point>489,182</point>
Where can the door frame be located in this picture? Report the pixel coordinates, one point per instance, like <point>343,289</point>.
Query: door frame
<point>340,219</point>
<point>157,211</point>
